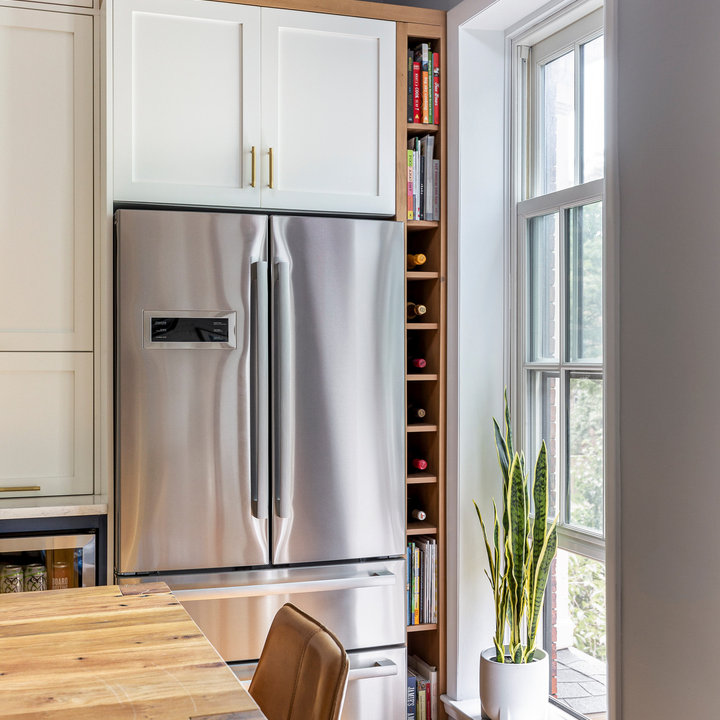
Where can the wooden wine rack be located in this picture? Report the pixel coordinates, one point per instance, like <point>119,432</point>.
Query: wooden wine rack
<point>427,337</point>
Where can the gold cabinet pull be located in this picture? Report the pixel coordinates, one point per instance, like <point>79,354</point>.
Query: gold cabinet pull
<point>270,153</point>
<point>252,153</point>
<point>20,488</point>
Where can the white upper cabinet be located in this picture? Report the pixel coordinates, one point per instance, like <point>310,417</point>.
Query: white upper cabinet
<point>186,102</point>
<point>207,94</point>
<point>328,91</point>
<point>46,180</point>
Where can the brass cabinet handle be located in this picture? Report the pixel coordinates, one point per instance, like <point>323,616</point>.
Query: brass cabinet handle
<point>270,153</point>
<point>20,488</point>
<point>252,181</point>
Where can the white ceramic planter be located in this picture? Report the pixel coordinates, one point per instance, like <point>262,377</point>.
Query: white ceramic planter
<point>514,692</point>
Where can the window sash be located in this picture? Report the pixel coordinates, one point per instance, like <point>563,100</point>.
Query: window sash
<point>569,38</point>
<point>579,540</point>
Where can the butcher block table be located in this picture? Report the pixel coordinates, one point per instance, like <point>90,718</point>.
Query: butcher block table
<point>110,653</point>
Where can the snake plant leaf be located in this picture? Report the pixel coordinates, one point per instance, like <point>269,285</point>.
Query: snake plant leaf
<point>540,499</point>
<point>517,507</point>
<point>502,451</point>
<point>547,553</point>
<point>508,427</point>
<point>490,553</point>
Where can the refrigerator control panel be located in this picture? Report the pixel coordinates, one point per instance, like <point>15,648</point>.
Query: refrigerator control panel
<point>187,330</point>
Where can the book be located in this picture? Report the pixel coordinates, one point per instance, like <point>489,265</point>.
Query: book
<point>436,189</point>
<point>421,700</point>
<point>429,192</point>
<point>421,57</point>
<point>431,74</point>
<point>411,698</point>
<point>423,178</point>
<point>417,101</point>
<point>429,673</point>
<point>410,60</point>
<point>410,180</point>
<point>436,88</point>
<point>416,585</point>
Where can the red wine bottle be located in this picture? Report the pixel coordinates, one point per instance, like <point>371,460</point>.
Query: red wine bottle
<point>417,363</point>
<point>419,464</point>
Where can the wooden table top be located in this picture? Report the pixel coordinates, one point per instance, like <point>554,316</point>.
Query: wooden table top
<point>109,653</point>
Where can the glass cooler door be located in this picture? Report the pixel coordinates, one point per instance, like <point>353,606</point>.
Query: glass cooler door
<point>47,562</point>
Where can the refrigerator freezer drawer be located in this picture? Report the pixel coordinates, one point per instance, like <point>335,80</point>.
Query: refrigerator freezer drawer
<point>362,603</point>
<point>376,684</point>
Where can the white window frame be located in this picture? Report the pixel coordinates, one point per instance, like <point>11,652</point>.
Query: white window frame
<point>570,27</point>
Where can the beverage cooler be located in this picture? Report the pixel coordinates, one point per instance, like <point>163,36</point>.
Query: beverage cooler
<point>52,553</point>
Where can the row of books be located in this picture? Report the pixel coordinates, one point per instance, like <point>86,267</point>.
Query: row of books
<point>421,690</point>
<point>423,91</point>
<point>423,179</point>
<point>422,582</point>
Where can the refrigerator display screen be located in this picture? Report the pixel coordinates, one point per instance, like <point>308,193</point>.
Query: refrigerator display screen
<point>187,329</point>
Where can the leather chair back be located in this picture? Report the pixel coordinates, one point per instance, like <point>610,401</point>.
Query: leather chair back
<point>302,671</point>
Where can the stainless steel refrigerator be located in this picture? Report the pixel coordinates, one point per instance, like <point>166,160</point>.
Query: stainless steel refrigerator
<point>260,429</point>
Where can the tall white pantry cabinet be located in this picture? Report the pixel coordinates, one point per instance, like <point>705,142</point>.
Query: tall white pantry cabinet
<point>220,104</point>
<point>46,253</point>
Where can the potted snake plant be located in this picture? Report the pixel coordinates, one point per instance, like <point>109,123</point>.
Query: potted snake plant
<point>514,672</point>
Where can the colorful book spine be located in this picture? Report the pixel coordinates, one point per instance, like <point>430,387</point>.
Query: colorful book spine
<point>431,72</point>
<point>411,696</point>
<point>416,585</point>
<point>421,189</point>
<point>417,101</point>
<point>410,60</point>
<point>436,87</point>
<point>436,189</point>
<point>429,179</point>
<point>410,181</point>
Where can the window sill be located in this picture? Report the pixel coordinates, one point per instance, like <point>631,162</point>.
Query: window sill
<point>470,710</point>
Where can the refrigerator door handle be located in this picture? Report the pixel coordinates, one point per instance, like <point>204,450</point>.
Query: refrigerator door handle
<point>284,431</point>
<point>260,394</point>
<point>376,579</point>
<point>381,668</point>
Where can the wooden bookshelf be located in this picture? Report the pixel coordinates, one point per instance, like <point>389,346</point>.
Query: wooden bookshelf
<point>426,337</point>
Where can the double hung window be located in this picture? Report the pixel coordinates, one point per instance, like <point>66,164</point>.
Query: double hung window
<point>558,261</point>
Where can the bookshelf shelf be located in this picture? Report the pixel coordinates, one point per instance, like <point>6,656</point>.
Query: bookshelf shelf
<point>421,326</point>
<point>421,427</point>
<point>422,225</point>
<point>421,479</point>
<point>430,377</point>
<point>421,527</point>
<point>421,275</point>
<point>422,628</point>
<point>421,128</point>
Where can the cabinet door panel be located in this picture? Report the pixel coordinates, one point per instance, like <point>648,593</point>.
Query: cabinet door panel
<point>186,102</point>
<point>328,112</point>
<point>46,181</point>
<point>46,423</point>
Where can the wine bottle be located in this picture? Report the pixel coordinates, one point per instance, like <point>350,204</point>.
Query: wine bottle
<point>415,260</point>
<point>418,514</point>
<point>419,464</point>
<point>415,310</point>
<point>416,413</point>
<point>417,363</point>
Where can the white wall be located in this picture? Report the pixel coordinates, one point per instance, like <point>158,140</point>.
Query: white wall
<point>476,357</point>
<point>668,134</point>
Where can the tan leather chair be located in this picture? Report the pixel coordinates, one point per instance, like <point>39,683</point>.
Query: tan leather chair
<point>302,672</point>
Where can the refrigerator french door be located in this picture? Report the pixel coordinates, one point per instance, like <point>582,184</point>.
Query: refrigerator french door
<point>260,423</point>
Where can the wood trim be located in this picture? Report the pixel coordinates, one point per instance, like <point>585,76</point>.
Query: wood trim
<point>356,8</point>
